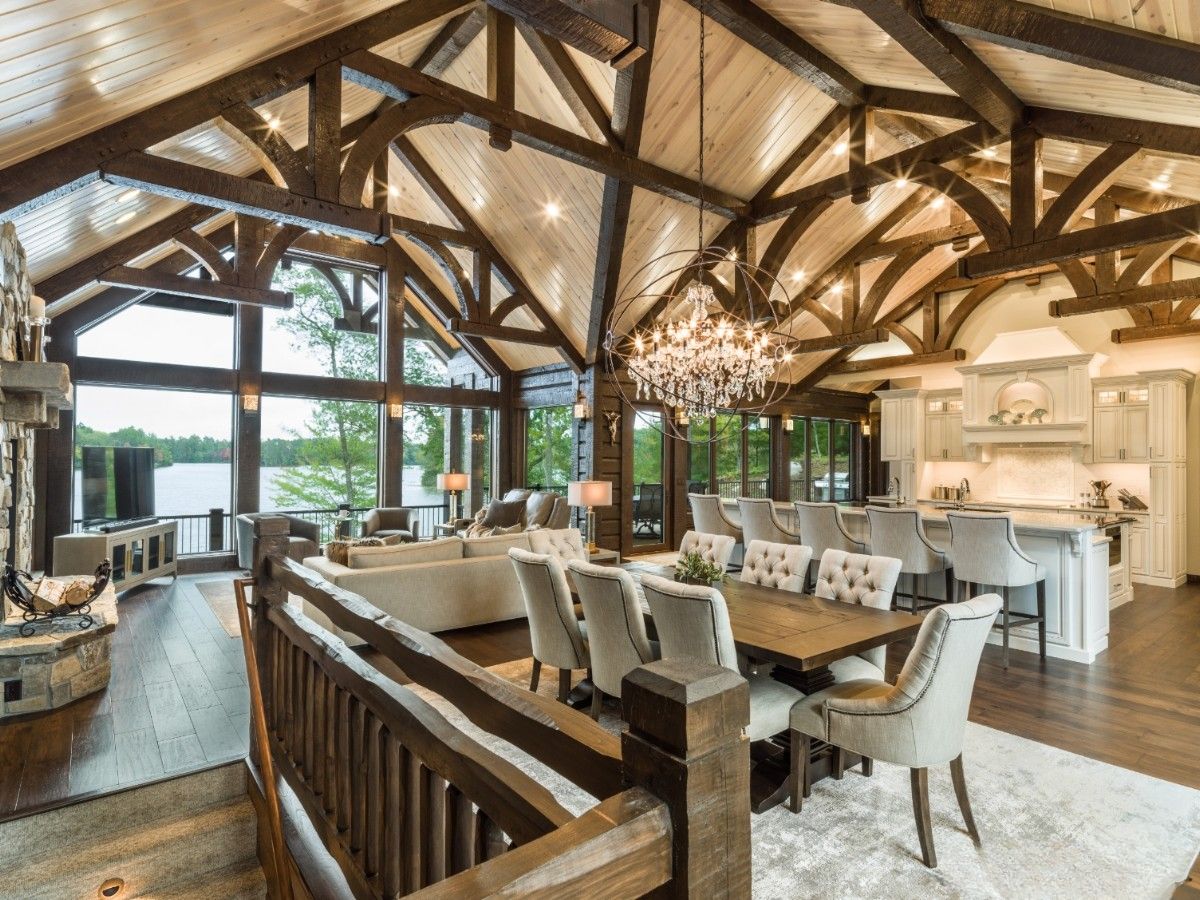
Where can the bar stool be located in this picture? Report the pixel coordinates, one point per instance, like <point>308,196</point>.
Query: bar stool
<point>985,551</point>
<point>822,528</point>
<point>759,523</point>
<point>709,517</point>
<point>898,533</point>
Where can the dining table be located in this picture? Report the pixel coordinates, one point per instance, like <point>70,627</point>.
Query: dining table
<point>798,635</point>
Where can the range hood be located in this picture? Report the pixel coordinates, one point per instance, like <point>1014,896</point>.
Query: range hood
<point>1030,387</point>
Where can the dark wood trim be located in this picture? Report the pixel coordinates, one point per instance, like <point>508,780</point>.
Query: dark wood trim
<point>183,286</point>
<point>449,43</point>
<point>1119,299</point>
<point>1089,128</point>
<point>163,376</point>
<point>571,85</point>
<point>855,366</point>
<point>612,31</point>
<point>501,76</point>
<point>838,341</point>
<point>501,332</point>
<point>1155,332</point>
<point>433,395</point>
<point>455,237</point>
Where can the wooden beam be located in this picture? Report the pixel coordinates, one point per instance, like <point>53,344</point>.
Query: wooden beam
<point>55,172</point>
<point>1174,223</point>
<point>815,144</point>
<point>952,146</point>
<point>571,85</point>
<point>455,237</point>
<point>1155,332</point>
<point>501,332</point>
<point>501,77</point>
<point>1026,185</point>
<point>854,366</point>
<point>400,82</point>
<point>944,106</point>
<point>1089,128</point>
<point>859,150</point>
<point>1081,40</point>
<point>933,237</point>
<point>193,184</point>
<point>1119,299</point>
<point>612,31</point>
<point>166,283</point>
<point>839,341</point>
<point>630,97</point>
<point>947,57</point>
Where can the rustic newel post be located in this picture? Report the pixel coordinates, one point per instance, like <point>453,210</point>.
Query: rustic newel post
<point>686,746</point>
<point>270,539</point>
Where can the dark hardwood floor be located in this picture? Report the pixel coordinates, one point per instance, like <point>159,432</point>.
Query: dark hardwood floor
<point>177,701</point>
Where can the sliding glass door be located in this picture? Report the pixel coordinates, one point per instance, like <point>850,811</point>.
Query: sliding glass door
<point>649,481</point>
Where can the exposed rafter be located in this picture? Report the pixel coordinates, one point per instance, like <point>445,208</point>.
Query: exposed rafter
<point>571,85</point>
<point>203,288</point>
<point>617,32</point>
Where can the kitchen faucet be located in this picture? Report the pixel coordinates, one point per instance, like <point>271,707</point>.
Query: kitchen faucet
<point>894,487</point>
<point>964,490</point>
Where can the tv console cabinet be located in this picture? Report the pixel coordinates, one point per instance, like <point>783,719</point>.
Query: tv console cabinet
<point>137,554</point>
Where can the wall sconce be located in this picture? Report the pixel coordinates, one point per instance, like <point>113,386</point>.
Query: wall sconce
<point>866,429</point>
<point>764,422</point>
<point>250,403</point>
<point>395,410</point>
<point>580,409</point>
<point>682,419</point>
<point>787,424</point>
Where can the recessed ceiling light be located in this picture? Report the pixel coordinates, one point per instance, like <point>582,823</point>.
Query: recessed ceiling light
<point>393,190</point>
<point>122,219</point>
<point>798,276</point>
<point>990,152</point>
<point>839,148</point>
<point>1161,183</point>
<point>478,200</point>
<point>128,195</point>
<point>552,210</point>
<point>901,182</point>
<point>837,288</point>
<point>938,202</point>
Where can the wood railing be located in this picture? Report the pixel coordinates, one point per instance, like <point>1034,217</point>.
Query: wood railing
<point>405,802</point>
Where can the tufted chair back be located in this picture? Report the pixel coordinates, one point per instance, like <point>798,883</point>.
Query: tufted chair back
<point>616,628</point>
<point>985,550</point>
<point>759,522</point>
<point>716,548</point>
<point>692,621</point>
<point>920,722</point>
<point>899,533</point>
<point>780,566</point>
<point>858,578</point>
<point>565,544</point>
<point>821,527</point>
<point>553,627</point>
<point>708,516</point>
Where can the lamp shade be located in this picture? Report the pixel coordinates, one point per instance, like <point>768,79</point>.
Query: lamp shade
<point>589,493</point>
<point>453,481</point>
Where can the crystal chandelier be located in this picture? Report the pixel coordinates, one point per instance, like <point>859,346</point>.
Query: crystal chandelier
<point>714,345</point>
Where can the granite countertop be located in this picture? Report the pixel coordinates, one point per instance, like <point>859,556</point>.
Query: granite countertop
<point>1039,519</point>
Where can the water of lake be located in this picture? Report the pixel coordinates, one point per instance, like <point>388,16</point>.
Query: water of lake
<point>193,488</point>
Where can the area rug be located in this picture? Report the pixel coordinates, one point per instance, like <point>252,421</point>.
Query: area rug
<point>218,594</point>
<point>1054,824</point>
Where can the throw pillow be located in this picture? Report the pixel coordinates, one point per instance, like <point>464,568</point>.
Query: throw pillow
<point>502,514</point>
<point>477,530</point>
<point>338,551</point>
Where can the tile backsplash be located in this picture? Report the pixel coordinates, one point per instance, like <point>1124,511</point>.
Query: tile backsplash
<point>1035,473</point>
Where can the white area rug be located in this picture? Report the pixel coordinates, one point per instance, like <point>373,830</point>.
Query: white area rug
<point>1054,825</point>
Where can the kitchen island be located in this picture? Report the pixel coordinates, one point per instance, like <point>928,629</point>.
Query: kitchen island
<point>1074,549</point>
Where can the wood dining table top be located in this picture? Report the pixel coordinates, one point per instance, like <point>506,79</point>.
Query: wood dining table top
<point>800,631</point>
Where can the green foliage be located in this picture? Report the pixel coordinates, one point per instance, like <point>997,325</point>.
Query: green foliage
<point>548,445</point>
<point>693,568</point>
<point>647,449</point>
<point>424,426</point>
<point>167,450</point>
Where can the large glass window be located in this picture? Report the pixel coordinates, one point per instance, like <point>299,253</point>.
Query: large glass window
<point>821,460</point>
<point>728,454</point>
<point>160,334</point>
<point>840,461</point>
<point>331,329</point>
<point>699,467</point>
<point>648,485</point>
<point>758,458</point>
<point>818,475</point>
<point>798,460</point>
<point>191,436</point>
<point>438,439</point>
<point>549,443</point>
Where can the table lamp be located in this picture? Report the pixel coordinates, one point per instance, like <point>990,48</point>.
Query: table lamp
<point>590,494</point>
<point>453,482</point>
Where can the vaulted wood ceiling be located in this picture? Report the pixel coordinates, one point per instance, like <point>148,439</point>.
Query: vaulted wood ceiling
<point>72,67</point>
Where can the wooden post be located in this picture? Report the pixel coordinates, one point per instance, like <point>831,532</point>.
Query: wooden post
<point>270,539</point>
<point>686,745</point>
<point>216,530</point>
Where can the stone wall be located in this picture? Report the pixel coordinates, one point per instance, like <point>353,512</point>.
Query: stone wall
<point>15,291</point>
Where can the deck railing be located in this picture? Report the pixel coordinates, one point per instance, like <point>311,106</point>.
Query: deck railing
<point>404,801</point>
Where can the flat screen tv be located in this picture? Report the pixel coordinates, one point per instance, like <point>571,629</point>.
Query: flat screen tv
<point>118,484</point>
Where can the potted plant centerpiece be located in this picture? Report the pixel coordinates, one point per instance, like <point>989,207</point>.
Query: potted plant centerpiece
<point>693,568</point>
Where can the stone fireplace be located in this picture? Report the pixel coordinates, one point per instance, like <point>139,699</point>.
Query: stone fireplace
<point>16,434</point>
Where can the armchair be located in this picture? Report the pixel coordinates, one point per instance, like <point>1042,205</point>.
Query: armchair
<point>391,521</point>
<point>303,541</point>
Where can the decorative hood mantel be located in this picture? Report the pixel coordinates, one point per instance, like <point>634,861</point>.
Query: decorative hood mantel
<point>1029,387</point>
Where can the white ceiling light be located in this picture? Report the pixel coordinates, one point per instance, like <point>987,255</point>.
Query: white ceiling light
<point>901,182</point>
<point>798,276</point>
<point>990,152</point>
<point>839,148</point>
<point>938,202</point>
<point>552,210</point>
<point>837,289</point>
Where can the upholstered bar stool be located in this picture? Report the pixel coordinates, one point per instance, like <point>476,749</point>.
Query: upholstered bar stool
<point>781,566</point>
<point>715,548</point>
<point>759,523</point>
<point>709,517</point>
<point>986,552</point>
<point>822,528</point>
<point>866,581</point>
<point>898,533</point>
<point>553,626</point>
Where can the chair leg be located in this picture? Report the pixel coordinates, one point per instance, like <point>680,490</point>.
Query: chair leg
<point>951,585</point>
<point>919,779</point>
<point>1041,611</point>
<point>537,673</point>
<point>839,763</point>
<point>597,702</point>
<point>964,802</point>
<point>801,747</point>
<point>868,766</point>
<point>1004,626</point>
<point>564,684</point>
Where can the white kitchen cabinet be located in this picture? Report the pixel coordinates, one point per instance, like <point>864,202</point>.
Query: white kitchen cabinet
<point>1139,549</point>
<point>1121,422</point>
<point>901,425</point>
<point>943,428</point>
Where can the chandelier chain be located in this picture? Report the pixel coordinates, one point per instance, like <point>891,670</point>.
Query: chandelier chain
<point>700,215</point>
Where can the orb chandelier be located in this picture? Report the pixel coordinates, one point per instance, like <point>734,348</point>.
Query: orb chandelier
<point>714,342</point>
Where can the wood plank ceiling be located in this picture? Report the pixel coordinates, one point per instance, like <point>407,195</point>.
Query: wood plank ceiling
<point>72,66</point>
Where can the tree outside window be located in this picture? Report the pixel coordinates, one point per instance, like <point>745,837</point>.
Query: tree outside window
<point>549,443</point>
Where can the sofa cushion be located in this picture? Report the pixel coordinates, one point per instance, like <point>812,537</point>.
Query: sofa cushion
<point>496,545</point>
<point>405,554</point>
<point>538,508</point>
<point>503,513</point>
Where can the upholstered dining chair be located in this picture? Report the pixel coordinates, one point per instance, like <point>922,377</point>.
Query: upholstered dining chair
<point>564,543</point>
<point>716,548</point>
<point>558,640</point>
<point>760,523</point>
<point>709,517</point>
<point>898,533</point>
<point>781,566</point>
<point>616,627</point>
<point>822,528</point>
<point>917,722</point>
<point>986,552</point>
<point>866,581</point>
<point>693,623</point>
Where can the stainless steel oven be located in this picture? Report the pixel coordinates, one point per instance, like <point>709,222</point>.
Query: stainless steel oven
<point>1114,546</point>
